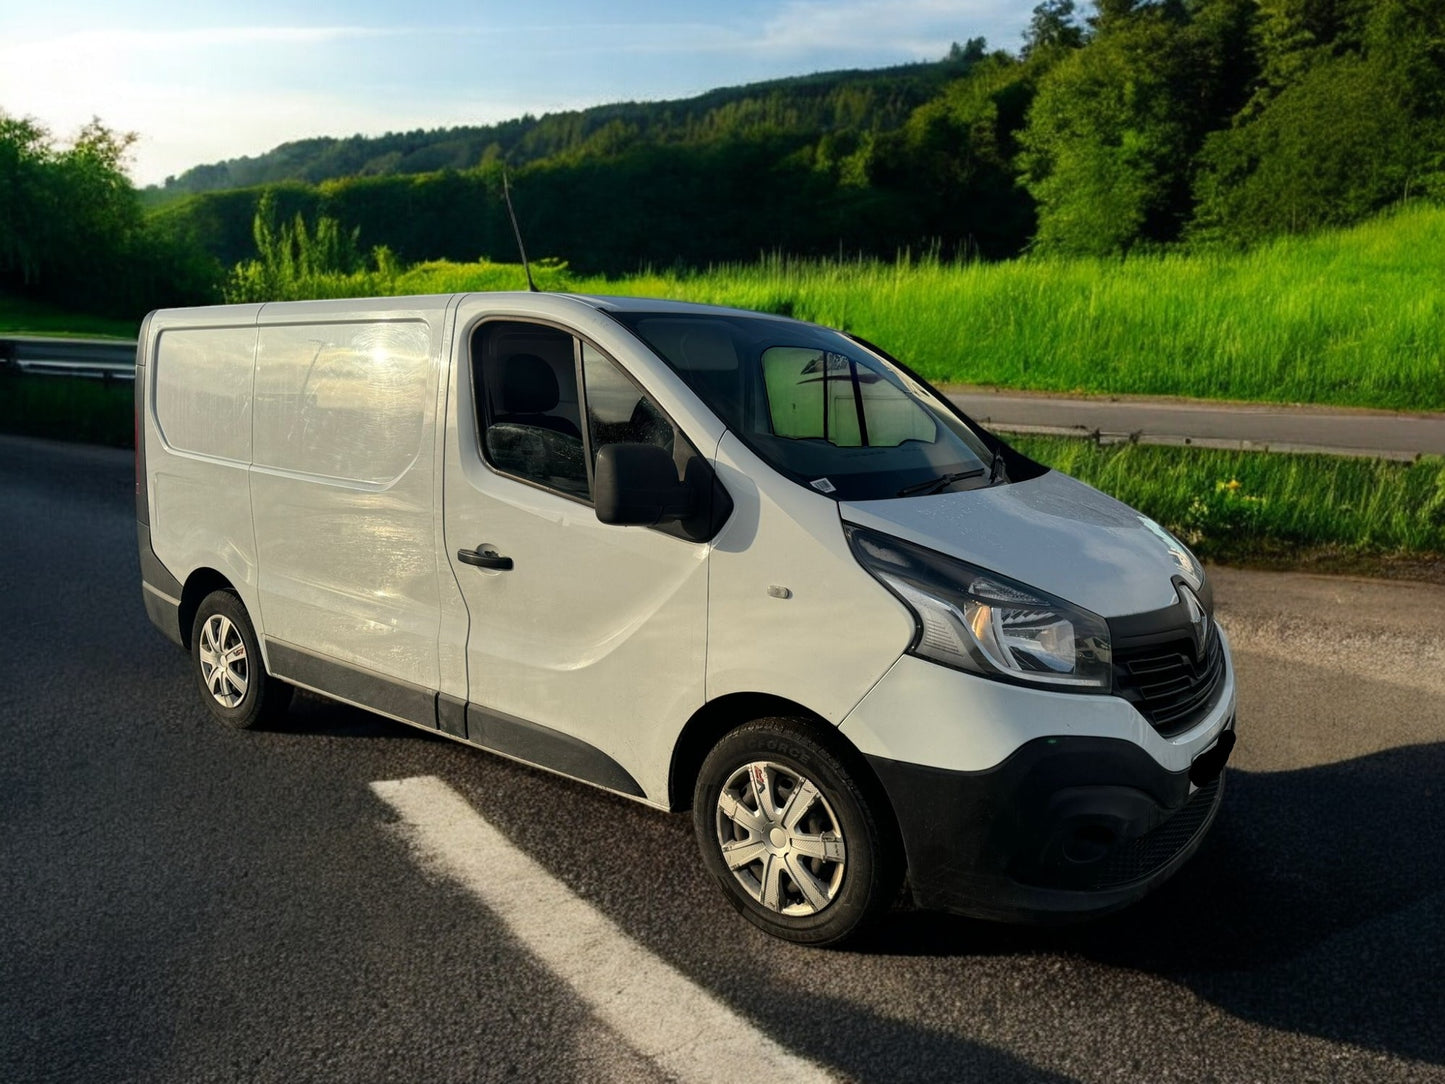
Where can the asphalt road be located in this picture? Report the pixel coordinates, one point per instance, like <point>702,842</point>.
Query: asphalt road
<point>1256,426</point>
<point>183,903</point>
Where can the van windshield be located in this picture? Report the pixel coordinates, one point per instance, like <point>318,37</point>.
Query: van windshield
<point>818,406</point>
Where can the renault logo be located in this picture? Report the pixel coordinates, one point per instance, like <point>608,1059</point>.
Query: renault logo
<point>1198,619</point>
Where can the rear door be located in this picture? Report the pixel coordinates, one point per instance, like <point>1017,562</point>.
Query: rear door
<point>585,645</point>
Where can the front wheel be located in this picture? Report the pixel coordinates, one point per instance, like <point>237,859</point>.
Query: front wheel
<point>792,835</point>
<point>226,659</point>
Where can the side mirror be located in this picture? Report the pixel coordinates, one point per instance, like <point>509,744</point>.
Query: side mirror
<point>636,486</point>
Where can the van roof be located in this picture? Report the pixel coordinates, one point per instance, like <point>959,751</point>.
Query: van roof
<point>267,312</point>
<point>608,303</point>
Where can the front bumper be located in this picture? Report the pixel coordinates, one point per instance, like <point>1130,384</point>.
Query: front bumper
<point>1022,804</point>
<point>1065,828</point>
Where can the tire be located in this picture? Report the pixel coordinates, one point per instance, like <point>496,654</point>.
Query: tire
<point>814,874</point>
<point>226,660</point>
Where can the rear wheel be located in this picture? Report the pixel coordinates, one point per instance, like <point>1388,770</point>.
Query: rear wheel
<point>226,658</point>
<point>791,834</point>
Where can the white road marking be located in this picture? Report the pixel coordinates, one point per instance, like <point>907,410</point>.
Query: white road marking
<point>682,1029</point>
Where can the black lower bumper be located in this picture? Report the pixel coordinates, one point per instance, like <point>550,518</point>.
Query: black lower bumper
<point>160,591</point>
<point>1065,828</point>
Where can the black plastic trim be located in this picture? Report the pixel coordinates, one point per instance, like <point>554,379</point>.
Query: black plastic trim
<point>485,560</point>
<point>164,614</point>
<point>547,748</point>
<point>479,726</point>
<point>1030,840</point>
<point>151,569</point>
<point>452,715</point>
<point>162,600</point>
<point>383,694</point>
<point>1165,623</point>
<point>1171,676</point>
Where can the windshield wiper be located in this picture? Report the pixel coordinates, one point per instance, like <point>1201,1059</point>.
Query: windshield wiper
<point>935,485</point>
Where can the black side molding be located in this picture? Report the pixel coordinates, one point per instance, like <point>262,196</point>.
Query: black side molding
<point>384,694</point>
<point>492,730</point>
<point>548,748</point>
<point>452,715</point>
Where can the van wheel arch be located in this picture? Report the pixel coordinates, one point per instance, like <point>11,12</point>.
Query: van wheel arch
<point>199,584</point>
<point>717,718</point>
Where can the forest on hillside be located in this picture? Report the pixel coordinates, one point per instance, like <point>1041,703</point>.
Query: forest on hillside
<point>1135,126</point>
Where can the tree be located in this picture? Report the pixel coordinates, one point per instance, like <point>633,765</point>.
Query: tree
<point>953,163</point>
<point>1347,121</point>
<point>71,226</point>
<point>1108,139</point>
<point>1053,26</point>
<point>1109,150</point>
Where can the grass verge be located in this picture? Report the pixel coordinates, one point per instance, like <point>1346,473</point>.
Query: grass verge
<point>21,316</point>
<point>1319,512</point>
<point>1346,317</point>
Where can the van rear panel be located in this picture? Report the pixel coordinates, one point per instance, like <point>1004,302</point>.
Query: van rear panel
<point>342,492</point>
<point>195,434</point>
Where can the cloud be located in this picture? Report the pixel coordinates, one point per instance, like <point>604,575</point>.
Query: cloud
<point>922,28</point>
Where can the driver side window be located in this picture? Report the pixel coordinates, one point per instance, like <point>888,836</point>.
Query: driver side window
<point>529,410</point>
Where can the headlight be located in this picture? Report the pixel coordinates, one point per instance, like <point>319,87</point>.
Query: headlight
<point>976,620</point>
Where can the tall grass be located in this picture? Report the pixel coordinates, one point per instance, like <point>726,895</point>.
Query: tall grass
<point>1349,317</point>
<point>1241,505</point>
<point>1352,317</point>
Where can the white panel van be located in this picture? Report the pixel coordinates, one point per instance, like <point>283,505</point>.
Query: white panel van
<point>703,558</point>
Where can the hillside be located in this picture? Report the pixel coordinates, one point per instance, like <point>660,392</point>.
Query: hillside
<point>851,100</point>
<point>1150,126</point>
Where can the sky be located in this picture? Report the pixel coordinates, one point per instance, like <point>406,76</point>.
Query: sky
<point>204,81</point>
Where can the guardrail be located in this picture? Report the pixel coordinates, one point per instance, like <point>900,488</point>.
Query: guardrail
<point>96,359</point>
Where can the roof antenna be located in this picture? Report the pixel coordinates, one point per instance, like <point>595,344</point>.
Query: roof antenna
<point>507,195</point>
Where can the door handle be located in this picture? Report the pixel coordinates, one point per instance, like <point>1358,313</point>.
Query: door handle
<point>485,557</point>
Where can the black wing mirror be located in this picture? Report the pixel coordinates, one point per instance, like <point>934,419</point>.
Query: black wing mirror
<point>636,486</point>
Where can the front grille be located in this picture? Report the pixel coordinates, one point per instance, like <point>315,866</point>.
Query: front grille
<point>1152,851</point>
<point>1168,684</point>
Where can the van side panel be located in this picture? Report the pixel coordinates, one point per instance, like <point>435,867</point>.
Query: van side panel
<point>197,438</point>
<point>791,613</point>
<point>342,493</point>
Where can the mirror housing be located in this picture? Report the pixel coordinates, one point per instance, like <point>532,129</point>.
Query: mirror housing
<point>635,485</point>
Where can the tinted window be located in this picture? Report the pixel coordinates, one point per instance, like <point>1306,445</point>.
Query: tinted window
<point>818,406</point>
<point>529,413</point>
<point>617,410</point>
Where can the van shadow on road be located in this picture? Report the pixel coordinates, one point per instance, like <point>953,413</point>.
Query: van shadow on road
<point>1317,906</point>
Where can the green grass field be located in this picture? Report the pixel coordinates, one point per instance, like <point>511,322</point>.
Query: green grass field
<point>1351,317</point>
